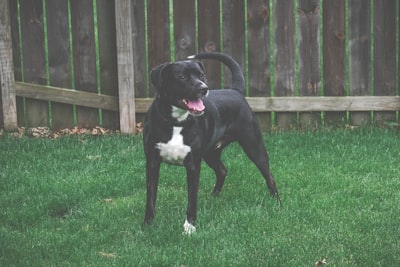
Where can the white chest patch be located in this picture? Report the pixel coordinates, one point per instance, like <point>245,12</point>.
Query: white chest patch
<point>179,114</point>
<point>175,150</point>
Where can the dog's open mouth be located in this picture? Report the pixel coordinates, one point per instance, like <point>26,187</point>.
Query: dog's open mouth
<point>195,107</point>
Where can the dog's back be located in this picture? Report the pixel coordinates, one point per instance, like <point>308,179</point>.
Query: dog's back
<point>238,82</point>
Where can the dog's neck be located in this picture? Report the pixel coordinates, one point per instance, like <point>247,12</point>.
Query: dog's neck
<point>179,114</point>
<point>174,116</point>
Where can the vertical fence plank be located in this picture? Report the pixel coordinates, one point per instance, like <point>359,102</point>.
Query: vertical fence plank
<point>184,28</point>
<point>84,57</point>
<point>1,106</point>
<point>209,38</point>
<point>13,7</point>
<point>16,56</point>
<point>233,35</point>
<point>140,67</point>
<point>108,59</point>
<point>284,57</point>
<point>258,48</point>
<point>259,76</point>
<point>37,111</point>
<point>124,21</point>
<point>8,106</point>
<point>359,55</point>
<point>384,54</point>
<point>334,54</point>
<point>59,59</point>
<point>158,33</point>
<point>139,48</point>
<point>309,71</point>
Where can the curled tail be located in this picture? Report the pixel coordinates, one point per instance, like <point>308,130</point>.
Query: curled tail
<point>237,76</point>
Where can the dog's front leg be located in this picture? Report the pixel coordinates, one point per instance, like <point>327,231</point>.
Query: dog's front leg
<point>193,177</point>
<point>152,178</point>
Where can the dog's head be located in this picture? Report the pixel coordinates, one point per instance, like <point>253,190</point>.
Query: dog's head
<point>182,84</point>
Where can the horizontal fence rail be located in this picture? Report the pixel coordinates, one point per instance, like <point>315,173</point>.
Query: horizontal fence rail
<point>306,62</point>
<point>258,104</point>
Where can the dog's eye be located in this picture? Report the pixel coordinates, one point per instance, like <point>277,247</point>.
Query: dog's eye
<point>201,75</point>
<point>182,77</point>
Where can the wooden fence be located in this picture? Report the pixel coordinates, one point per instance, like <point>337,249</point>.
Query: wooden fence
<point>66,63</point>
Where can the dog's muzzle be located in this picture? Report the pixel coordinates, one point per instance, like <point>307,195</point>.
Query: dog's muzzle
<point>195,106</point>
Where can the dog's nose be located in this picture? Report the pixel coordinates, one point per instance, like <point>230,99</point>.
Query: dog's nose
<point>204,91</point>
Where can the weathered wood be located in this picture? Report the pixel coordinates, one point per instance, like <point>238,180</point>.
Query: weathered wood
<point>359,55</point>
<point>259,76</point>
<point>13,7</point>
<point>66,96</point>
<point>37,112</point>
<point>158,34</point>
<point>209,38</point>
<point>309,70</point>
<point>284,56</point>
<point>108,60</point>
<point>140,68</point>
<point>8,103</point>
<point>309,75</point>
<point>184,28</point>
<point>59,59</point>
<point>233,35</point>
<point>359,47</point>
<point>84,53</point>
<point>334,54</point>
<point>334,104</point>
<point>127,108</point>
<point>17,60</point>
<point>258,104</point>
<point>259,59</point>
<point>384,53</point>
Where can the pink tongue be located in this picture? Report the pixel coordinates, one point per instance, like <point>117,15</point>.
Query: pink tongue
<point>196,105</point>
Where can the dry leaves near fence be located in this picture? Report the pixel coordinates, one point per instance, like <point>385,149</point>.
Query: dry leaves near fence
<point>46,132</point>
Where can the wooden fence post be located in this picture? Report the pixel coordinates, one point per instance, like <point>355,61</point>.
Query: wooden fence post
<point>7,70</point>
<point>123,21</point>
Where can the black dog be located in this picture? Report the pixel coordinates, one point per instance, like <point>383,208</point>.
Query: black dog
<point>187,123</point>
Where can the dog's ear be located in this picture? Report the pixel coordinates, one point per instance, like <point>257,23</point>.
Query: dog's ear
<point>201,65</point>
<point>155,75</point>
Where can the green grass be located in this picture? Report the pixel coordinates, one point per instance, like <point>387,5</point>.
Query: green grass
<point>79,201</point>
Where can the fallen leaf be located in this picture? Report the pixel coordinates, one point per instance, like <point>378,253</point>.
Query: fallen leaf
<point>108,255</point>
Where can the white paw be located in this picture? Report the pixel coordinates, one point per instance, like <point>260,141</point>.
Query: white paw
<point>188,228</point>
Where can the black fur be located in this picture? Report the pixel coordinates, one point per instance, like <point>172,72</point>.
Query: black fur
<point>227,117</point>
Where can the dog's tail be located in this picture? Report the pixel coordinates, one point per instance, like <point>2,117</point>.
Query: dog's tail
<point>237,75</point>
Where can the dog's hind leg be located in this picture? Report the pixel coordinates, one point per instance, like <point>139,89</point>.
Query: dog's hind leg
<point>257,153</point>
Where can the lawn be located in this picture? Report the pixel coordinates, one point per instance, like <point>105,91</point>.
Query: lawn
<point>79,201</point>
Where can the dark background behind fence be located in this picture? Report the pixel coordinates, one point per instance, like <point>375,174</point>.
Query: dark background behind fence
<point>285,48</point>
